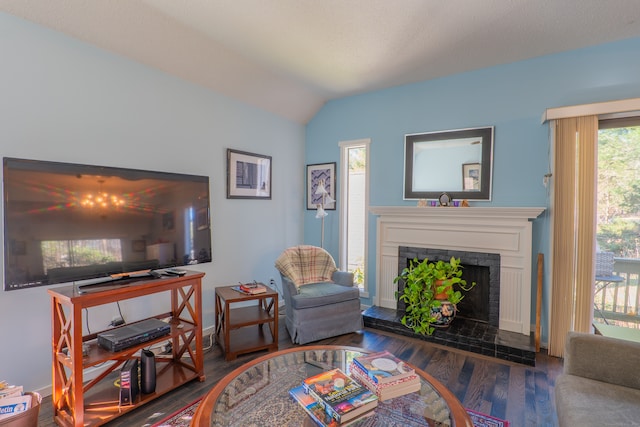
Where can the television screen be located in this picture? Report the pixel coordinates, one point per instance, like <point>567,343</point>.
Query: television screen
<point>69,222</point>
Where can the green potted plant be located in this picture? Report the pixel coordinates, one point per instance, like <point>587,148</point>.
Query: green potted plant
<point>431,291</point>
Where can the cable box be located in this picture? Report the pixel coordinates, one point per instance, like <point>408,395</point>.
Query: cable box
<point>133,334</point>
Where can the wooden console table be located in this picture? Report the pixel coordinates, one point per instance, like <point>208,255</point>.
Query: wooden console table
<point>243,327</point>
<point>97,402</point>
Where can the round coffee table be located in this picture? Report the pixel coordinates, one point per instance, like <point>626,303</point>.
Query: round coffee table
<point>257,394</point>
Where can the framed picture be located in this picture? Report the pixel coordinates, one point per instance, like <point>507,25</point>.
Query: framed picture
<point>18,247</point>
<point>138,245</point>
<point>324,173</point>
<point>168,221</point>
<point>248,175</point>
<point>202,218</point>
<point>471,177</point>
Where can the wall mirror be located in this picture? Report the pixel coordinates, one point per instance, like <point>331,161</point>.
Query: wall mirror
<point>458,162</point>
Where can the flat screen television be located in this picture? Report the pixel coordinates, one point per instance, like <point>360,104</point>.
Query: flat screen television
<point>70,222</point>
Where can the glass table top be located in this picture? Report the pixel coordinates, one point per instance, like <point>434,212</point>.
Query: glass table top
<point>257,394</point>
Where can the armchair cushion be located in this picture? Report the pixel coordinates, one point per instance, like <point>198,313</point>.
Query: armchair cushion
<point>306,264</point>
<point>322,294</point>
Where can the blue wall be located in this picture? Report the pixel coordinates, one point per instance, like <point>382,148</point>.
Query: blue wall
<point>510,97</point>
<point>64,100</point>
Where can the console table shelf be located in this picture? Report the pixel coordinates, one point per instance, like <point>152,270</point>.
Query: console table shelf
<point>72,396</point>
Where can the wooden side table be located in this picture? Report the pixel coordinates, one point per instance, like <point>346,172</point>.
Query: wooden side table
<point>243,327</point>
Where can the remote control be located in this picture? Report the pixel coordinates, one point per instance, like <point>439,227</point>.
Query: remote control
<point>175,272</point>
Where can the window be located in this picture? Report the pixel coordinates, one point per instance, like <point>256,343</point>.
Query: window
<point>78,253</point>
<point>354,196</point>
<point>616,295</point>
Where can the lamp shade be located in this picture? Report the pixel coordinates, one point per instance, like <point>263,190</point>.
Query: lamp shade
<point>320,189</point>
<point>321,213</point>
<point>328,199</point>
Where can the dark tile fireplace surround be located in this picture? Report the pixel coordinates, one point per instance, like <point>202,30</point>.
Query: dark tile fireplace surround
<point>477,331</point>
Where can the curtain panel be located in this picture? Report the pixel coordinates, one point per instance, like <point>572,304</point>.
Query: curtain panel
<point>574,226</point>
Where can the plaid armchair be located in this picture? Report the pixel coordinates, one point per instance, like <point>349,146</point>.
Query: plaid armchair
<point>320,301</point>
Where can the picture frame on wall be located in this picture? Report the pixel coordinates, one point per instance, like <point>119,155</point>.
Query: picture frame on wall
<point>202,219</point>
<point>248,175</point>
<point>138,245</point>
<point>317,173</point>
<point>471,176</point>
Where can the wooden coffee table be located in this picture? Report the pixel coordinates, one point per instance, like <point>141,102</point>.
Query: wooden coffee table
<point>257,393</point>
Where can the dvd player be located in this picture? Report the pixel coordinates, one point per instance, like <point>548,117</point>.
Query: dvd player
<point>130,335</point>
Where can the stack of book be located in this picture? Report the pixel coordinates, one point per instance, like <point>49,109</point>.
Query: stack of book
<point>251,288</point>
<point>337,395</point>
<point>385,375</point>
<point>12,400</point>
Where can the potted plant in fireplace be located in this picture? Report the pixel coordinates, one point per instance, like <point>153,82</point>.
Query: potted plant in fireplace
<point>430,293</point>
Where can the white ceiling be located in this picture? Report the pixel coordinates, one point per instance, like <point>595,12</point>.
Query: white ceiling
<point>291,56</point>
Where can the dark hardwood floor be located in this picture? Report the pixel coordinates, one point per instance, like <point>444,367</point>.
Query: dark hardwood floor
<point>523,395</point>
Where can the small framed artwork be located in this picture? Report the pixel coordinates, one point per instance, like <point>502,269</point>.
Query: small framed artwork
<point>138,245</point>
<point>18,247</point>
<point>325,174</point>
<point>168,221</point>
<point>471,177</point>
<point>248,175</point>
<point>202,218</point>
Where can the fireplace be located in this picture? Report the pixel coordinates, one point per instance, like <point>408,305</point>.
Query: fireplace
<point>482,303</point>
<point>502,231</point>
<point>501,235</point>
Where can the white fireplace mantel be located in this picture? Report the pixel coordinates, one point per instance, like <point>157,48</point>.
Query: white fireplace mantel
<point>502,230</point>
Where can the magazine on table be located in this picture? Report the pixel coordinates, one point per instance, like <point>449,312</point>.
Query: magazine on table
<point>316,412</point>
<point>383,367</point>
<point>341,396</point>
<point>386,391</point>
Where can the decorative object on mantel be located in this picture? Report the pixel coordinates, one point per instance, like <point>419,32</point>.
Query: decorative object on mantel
<point>431,291</point>
<point>444,199</point>
<point>422,203</point>
<point>465,203</point>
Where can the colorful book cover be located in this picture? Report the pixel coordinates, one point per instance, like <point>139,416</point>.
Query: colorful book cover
<point>10,406</point>
<point>312,407</point>
<point>386,391</point>
<point>341,396</point>
<point>383,367</point>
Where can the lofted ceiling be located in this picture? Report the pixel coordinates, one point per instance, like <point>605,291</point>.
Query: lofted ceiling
<point>289,57</point>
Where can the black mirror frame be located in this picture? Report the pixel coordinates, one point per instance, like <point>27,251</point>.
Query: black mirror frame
<point>486,133</point>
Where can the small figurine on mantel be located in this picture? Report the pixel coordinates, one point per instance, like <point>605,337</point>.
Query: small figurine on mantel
<point>422,203</point>
<point>465,203</point>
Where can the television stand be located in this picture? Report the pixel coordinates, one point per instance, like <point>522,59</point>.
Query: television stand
<point>96,402</point>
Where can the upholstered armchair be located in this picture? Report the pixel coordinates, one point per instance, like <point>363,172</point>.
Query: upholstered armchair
<point>320,301</point>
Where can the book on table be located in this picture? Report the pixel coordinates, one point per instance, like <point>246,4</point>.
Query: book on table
<point>251,288</point>
<point>316,412</point>
<point>389,390</point>
<point>383,367</point>
<point>341,396</point>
